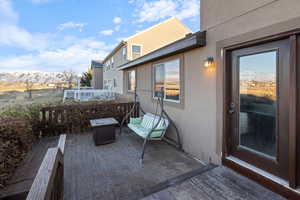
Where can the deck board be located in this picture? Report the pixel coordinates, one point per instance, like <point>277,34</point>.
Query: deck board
<point>113,171</point>
<point>24,175</point>
<point>220,183</point>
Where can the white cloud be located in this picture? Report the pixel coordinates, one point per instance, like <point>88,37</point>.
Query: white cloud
<point>107,32</point>
<point>189,9</point>
<point>67,25</point>
<point>40,1</point>
<point>45,51</point>
<point>14,36</point>
<point>151,11</point>
<point>117,28</point>
<point>76,56</point>
<point>120,39</point>
<point>117,20</point>
<point>7,14</point>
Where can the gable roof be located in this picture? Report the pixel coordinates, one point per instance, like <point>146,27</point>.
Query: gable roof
<point>124,41</point>
<point>191,41</point>
<point>156,25</point>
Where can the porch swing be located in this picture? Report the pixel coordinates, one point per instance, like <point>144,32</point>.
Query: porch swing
<point>151,126</point>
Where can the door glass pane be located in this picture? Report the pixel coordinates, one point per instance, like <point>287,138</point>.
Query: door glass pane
<point>258,102</point>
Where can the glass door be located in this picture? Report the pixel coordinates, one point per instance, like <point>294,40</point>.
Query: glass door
<point>259,106</point>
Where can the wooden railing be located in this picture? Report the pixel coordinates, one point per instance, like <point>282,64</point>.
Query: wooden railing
<point>76,118</point>
<point>49,181</point>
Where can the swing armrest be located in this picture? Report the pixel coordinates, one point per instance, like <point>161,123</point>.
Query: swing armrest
<point>137,120</point>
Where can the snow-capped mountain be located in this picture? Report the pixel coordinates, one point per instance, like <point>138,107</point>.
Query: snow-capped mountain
<point>32,76</point>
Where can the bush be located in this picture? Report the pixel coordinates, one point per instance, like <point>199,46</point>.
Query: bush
<point>16,139</point>
<point>18,131</point>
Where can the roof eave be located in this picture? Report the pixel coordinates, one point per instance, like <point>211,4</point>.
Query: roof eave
<point>193,41</point>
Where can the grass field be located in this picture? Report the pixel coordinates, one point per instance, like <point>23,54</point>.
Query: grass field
<point>19,97</point>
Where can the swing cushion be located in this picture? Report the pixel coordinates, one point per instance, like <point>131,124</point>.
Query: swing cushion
<point>135,120</point>
<point>146,124</point>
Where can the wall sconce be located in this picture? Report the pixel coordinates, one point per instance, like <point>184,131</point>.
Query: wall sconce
<point>209,62</point>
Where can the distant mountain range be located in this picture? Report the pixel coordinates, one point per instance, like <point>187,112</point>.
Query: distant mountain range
<point>33,76</point>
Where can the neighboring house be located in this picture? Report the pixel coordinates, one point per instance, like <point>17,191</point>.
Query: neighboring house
<point>233,88</point>
<point>97,74</point>
<point>138,45</point>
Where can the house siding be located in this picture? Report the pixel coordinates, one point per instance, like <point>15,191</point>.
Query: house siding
<point>97,78</point>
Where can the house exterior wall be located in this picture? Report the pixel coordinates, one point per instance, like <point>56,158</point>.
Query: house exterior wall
<point>110,73</point>
<point>227,22</point>
<point>157,36</point>
<point>97,78</point>
<point>151,39</point>
<point>119,59</point>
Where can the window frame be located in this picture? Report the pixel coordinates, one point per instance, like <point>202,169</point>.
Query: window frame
<point>141,50</point>
<point>112,62</point>
<point>124,52</point>
<point>127,78</point>
<point>180,101</point>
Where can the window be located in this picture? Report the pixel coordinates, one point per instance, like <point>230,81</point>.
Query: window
<point>136,51</point>
<point>131,80</point>
<point>115,82</point>
<point>124,52</point>
<point>105,84</point>
<point>109,84</point>
<point>112,62</point>
<point>167,80</point>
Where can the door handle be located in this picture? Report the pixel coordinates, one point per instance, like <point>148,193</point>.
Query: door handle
<point>231,108</point>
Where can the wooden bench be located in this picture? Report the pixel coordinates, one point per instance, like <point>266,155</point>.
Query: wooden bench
<point>49,181</point>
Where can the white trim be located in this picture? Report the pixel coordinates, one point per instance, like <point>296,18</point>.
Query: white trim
<point>125,49</point>
<point>262,173</point>
<point>131,50</point>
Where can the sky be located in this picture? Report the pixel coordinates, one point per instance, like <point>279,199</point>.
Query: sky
<point>58,35</point>
<point>259,67</point>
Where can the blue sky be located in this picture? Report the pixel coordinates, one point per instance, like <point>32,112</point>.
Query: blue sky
<point>259,67</point>
<point>58,35</point>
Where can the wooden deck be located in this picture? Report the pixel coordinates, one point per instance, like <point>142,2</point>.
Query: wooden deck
<point>216,184</point>
<point>113,171</point>
<point>20,183</point>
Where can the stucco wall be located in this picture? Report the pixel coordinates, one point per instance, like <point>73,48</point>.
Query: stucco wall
<point>239,21</point>
<point>227,22</point>
<point>196,117</point>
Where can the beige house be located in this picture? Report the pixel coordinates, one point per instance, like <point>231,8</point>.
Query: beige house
<point>232,88</point>
<point>138,45</point>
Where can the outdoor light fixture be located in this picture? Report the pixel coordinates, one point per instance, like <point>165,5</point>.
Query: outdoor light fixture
<point>209,62</point>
